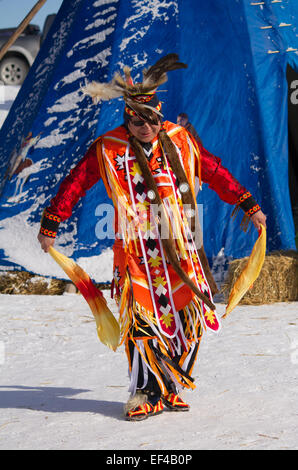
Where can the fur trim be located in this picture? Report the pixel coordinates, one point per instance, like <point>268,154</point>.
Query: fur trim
<point>135,400</point>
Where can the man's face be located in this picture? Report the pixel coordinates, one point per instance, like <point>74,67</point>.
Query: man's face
<point>143,130</point>
<point>181,121</point>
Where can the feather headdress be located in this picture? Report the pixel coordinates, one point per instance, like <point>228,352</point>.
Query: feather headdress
<point>139,98</point>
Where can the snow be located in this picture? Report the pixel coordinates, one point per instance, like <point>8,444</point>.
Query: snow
<point>155,9</point>
<point>7,97</point>
<point>62,389</point>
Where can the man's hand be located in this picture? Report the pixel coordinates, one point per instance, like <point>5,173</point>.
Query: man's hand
<point>45,242</point>
<point>258,219</point>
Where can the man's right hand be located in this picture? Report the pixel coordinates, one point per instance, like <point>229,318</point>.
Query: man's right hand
<point>45,242</point>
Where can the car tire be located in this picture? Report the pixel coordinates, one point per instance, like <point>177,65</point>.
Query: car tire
<point>13,70</point>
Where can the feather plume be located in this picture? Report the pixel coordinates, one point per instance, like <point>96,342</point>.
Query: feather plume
<point>157,73</point>
<point>155,76</point>
<point>127,73</point>
<point>124,84</point>
<point>101,91</point>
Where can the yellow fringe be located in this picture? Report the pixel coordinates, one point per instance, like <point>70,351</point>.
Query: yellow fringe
<point>124,303</point>
<point>102,167</point>
<point>198,155</point>
<point>118,191</point>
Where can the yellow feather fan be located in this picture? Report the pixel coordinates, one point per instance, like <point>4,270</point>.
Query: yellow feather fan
<point>250,273</point>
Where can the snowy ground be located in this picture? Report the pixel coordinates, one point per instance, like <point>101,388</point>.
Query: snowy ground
<point>7,97</point>
<point>62,389</point>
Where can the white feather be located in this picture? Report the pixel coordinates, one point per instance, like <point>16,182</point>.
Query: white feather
<point>101,91</point>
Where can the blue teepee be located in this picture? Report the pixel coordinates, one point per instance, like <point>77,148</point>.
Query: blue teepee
<point>235,92</point>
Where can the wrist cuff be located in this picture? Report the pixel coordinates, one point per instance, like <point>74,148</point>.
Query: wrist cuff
<point>49,224</point>
<point>248,204</point>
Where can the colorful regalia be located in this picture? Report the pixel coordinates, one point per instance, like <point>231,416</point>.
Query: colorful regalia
<point>162,317</point>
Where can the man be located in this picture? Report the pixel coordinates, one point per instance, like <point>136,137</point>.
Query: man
<point>183,120</point>
<point>149,168</point>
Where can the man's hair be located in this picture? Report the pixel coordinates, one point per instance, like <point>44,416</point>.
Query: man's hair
<point>183,115</point>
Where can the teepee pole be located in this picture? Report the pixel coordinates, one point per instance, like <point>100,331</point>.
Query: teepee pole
<point>21,27</point>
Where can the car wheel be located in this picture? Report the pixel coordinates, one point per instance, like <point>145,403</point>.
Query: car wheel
<point>13,70</point>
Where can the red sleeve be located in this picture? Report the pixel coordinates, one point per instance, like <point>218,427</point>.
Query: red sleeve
<point>219,178</point>
<point>74,186</point>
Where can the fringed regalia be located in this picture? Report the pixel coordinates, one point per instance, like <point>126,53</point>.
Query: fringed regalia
<point>161,287</point>
<point>160,317</point>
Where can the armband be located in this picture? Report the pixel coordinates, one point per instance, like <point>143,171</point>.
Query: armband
<point>248,204</point>
<point>250,207</point>
<point>49,224</point>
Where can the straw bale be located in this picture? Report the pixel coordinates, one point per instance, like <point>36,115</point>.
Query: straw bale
<point>277,282</point>
<point>24,283</point>
<point>21,282</point>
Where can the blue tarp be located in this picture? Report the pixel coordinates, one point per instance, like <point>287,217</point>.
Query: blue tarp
<point>234,90</point>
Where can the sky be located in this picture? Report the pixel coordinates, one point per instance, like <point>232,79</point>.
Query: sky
<point>12,12</point>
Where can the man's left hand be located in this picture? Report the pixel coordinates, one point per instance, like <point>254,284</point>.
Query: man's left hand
<point>259,219</point>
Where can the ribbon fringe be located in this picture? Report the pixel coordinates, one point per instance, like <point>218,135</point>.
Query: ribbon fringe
<point>245,222</point>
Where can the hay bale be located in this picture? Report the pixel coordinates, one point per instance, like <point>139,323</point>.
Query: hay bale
<point>21,282</point>
<point>24,283</point>
<point>277,282</point>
